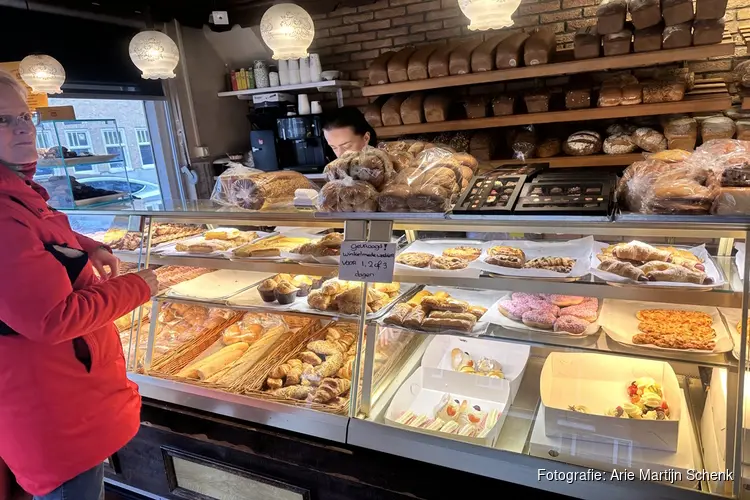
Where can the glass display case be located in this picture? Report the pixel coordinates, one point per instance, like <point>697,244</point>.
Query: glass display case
<point>83,163</point>
<point>557,354</point>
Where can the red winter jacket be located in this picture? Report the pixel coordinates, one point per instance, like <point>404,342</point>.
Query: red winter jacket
<point>65,401</point>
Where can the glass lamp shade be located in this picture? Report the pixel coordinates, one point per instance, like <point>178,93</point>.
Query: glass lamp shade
<point>44,74</point>
<point>288,30</point>
<point>155,54</point>
<point>489,14</point>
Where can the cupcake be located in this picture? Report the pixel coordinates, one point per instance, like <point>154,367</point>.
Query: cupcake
<point>267,289</point>
<point>317,282</point>
<point>286,292</point>
<point>304,283</point>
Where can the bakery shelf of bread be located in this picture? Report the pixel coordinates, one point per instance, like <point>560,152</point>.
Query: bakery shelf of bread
<point>597,160</point>
<point>704,97</point>
<point>564,63</point>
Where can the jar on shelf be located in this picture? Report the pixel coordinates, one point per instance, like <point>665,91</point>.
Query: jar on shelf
<point>260,70</point>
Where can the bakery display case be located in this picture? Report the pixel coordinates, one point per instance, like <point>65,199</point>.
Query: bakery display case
<point>564,346</point>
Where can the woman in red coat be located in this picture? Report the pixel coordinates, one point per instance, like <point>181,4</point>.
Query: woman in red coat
<point>67,403</point>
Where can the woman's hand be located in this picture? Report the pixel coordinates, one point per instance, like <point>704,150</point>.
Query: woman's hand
<point>100,258</point>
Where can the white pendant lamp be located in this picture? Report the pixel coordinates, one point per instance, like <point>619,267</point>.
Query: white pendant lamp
<point>44,74</point>
<point>155,54</point>
<point>288,30</point>
<point>489,14</point>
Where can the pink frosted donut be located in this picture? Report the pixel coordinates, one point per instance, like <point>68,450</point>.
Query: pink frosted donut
<point>546,307</point>
<point>591,302</point>
<point>513,309</point>
<point>565,300</point>
<point>570,324</point>
<point>583,311</point>
<point>538,319</point>
<point>522,296</point>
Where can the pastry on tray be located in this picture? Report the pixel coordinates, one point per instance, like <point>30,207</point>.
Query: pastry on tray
<point>346,296</point>
<point>435,312</point>
<point>573,315</point>
<point>285,288</point>
<point>453,416</point>
<point>505,256</point>
<point>463,252</point>
<point>451,259</point>
<point>675,329</point>
<point>329,245</point>
<point>640,261</point>
<point>269,247</point>
<point>645,401</point>
<point>556,264</point>
<point>415,259</point>
<point>448,263</point>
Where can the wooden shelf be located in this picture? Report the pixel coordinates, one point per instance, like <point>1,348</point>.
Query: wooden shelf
<point>323,86</point>
<point>704,97</point>
<point>600,160</point>
<point>566,66</point>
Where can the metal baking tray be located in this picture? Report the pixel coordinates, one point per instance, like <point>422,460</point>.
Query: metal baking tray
<point>485,193</point>
<point>583,197</point>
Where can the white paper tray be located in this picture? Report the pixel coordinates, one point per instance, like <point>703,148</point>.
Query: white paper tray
<point>607,454</point>
<point>600,382</point>
<point>218,285</point>
<point>170,249</point>
<point>579,249</point>
<point>251,298</point>
<point>712,270</point>
<point>422,394</point>
<point>436,247</point>
<point>497,318</point>
<point>511,356</point>
<point>732,317</point>
<point>618,320</point>
<point>483,298</point>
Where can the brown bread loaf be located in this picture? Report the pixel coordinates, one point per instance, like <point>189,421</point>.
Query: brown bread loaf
<point>611,16</point>
<point>743,130</point>
<point>708,31</point>
<point>509,53</point>
<point>678,36</point>
<point>460,58</point>
<point>645,13</point>
<point>586,142</point>
<point>379,68</point>
<point>578,98</point>
<point>398,64</point>
<point>717,127</point>
<point>649,140</point>
<point>676,11</point>
<point>710,9</point>
<point>372,114</point>
<point>416,69</point>
<point>412,109</point>
<point>439,62</point>
<point>502,105</point>
<point>436,107</point>
<point>539,48</point>
<point>681,132</point>
<point>390,113</point>
<point>537,101</point>
<point>659,91</point>
<point>617,44</point>
<point>483,57</point>
<point>476,106</point>
<point>648,39</point>
<point>587,43</point>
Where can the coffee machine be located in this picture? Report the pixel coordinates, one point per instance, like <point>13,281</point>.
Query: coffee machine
<point>286,142</point>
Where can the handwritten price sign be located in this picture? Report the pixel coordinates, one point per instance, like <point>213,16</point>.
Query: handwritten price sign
<point>367,261</point>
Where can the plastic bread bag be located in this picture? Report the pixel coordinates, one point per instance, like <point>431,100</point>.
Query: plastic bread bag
<point>405,146</point>
<point>524,142</point>
<point>250,189</point>
<point>369,165</point>
<point>348,195</point>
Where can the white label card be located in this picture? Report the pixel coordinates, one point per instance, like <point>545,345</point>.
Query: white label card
<point>369,261</point>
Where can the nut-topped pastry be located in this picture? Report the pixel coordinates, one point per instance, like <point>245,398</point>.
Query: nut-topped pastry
<point>463,252</point>
<point>506,257</point>
<point>449,263</point>
<point>415,259</point>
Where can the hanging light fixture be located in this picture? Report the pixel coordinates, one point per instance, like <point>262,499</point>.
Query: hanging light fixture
<point>155,54</point>
<point>44,74</point>
<point>489,14</point>
<point>288,30</point>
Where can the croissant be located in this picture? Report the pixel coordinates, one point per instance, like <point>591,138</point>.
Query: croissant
<point>281,371</point>
<point>310,357</point>
<point>624,269</point>
<point>346,370</point>
<point>327,369</point>
<point>330,388</point>
<point>319,300</point>
<point>294,392</point>
<point>294,376</point>
<point>274,383</point>
<point>637,250</point>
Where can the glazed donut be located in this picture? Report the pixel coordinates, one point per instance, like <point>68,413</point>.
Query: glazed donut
<point>565,300</point>
<point>538,319</point>
<point>570,324</point>
<point>513,309</point>
<point>583,311</point>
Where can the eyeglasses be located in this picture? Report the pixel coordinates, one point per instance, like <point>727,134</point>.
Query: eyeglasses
<point>7,121</point>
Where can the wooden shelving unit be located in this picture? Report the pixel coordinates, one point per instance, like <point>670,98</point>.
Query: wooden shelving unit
<point>323,86</point>
<point>712,96</point>
<point>600,160</point>
<point>566,66</point>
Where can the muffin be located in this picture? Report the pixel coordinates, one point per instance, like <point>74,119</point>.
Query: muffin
<point>317,282</point>
<point>303,283</point>
<point>267,290</point>
<point>286,292</point>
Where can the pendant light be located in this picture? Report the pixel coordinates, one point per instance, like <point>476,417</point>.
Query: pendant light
<point>44,74</point>
<point>489,14</point>
<point>288,30</point>
<point>155,54</point>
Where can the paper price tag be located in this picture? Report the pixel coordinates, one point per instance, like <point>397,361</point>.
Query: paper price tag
<point>368,261</point>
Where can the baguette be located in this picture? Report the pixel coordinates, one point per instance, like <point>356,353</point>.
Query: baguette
<point>215,362</point>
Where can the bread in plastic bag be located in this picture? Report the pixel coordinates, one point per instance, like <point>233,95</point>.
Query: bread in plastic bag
<point>252,189</point>
<point>348,195</point>
<point>524,142</point>
<point>394,198</point>
<point>370,165</point>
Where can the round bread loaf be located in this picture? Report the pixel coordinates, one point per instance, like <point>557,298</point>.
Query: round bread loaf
<point>443,177</point>
<point>549,147</point>
<point>621,128</point>
<point>649,140</point>
<point>586,142</point>
<point>618,144</point>
<point>394,198</point>
<point>717,127</point>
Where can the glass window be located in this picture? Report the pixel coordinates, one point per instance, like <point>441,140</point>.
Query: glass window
<point>144,147</point>
<point>44,139</point>
<point>79,141</point>
<point>115,144</point>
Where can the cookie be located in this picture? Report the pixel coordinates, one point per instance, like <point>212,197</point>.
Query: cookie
<point>415,259</point>
<point>449,263</point>
<point>462,252</point>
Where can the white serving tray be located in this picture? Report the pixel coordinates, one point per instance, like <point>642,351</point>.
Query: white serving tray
<point>579,249</point>
<point>436,247</point>
<point>512,358</point>
<point>608,454</point>
<point>218,285</point>
<point>619,322</point>
<point>170,249</point>
<point>422,395</point>
<point>497,318</point>
<point>600,382</point>
<point>712,270</point>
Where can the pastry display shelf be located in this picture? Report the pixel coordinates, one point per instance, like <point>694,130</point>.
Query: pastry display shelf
<point>321,86</point>
<point>711,96</point>
<point>600,160</point>
<point>288,417</point>
<point>509,459</point>
<point>566,66</point>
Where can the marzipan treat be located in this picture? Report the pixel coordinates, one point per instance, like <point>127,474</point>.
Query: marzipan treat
<point>645,13</point>
<point>379,68</point>
<point>241,187</point>
<point>611,16</point>
<point>676,11</point>
<point>417,66</point>
<point>398,64</point>
<point>540,47</point>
